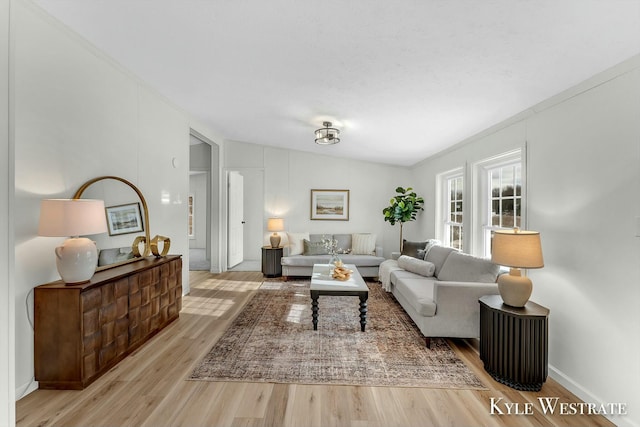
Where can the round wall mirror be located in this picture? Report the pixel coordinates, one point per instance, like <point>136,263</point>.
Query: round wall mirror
<point>127,220</point>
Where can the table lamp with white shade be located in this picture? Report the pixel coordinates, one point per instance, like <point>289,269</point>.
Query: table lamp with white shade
<point>516,249</point>
<point>275,225</point>
<point>77,258</point>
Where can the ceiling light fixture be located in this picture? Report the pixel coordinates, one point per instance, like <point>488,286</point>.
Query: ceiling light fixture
<point>327,135</point>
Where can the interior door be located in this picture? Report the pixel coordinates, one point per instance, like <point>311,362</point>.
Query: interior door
<point>236,219</point>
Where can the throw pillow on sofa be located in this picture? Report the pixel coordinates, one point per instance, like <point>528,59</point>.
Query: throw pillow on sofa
<point>415,265</point>
<point>363,244</point>
<point>460,267</point>
<point>313,248</point>
<point>296,246</point>
<point>412,249</point>
<point>430,243</point>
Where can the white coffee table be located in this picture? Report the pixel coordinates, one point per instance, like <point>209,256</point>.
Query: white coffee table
<point>323,284</point>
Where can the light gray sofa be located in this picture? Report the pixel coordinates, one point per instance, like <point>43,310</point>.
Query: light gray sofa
<point>313,252</point>
<point>440,292</point>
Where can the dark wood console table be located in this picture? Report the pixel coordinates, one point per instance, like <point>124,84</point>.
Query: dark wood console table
<point>514,342</point>
<point>81,331</point>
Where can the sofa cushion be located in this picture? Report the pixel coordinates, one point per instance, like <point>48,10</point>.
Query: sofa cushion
<point>344,242</point>
<point>415,265</point>
<point>305,260</point>
<point>309,260</point>
<point>361,260</point>
<point>437,255</point>
<point>417,290</point>
<point>412,248</point>
<point>460,267</point>
<point>313,248</point>
<point>363,244</point>
<point>296,247</point>
<point>314,238</point>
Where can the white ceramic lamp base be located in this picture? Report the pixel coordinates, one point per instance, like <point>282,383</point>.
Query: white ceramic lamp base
<point>514,288</point>
<point>77,260</point>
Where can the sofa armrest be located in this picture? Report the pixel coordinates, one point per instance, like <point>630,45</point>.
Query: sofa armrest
<point>461,297</point>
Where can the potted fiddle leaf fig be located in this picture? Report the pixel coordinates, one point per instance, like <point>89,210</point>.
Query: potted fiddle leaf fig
<point>404,207</point>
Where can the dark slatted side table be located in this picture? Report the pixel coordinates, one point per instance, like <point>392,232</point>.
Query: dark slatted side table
<point>514,342</point>
<point>271,257</point>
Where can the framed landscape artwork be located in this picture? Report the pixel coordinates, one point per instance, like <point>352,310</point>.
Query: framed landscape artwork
<point>124,219</point>
<point>330,204</point>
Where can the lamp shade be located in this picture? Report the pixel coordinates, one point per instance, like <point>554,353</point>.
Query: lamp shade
<point>71,217</point>
<point>275,224</point>
<point>517,248</point>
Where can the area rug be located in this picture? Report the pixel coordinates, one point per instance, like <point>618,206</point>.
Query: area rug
<point>272,340</point>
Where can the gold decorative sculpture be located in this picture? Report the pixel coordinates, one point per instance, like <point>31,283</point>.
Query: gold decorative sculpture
<point>165,247</point>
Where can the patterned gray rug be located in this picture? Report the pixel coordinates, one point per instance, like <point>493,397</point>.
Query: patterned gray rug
<point>272,340</point>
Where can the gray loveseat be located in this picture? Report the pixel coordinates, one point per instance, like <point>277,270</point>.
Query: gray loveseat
<point>303,250</point>
<point>440,292</point>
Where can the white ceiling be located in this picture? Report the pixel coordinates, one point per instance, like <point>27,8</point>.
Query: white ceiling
<point>402,79</point>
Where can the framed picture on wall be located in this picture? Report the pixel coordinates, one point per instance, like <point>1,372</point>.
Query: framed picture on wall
<point>124,219</point>
<point>330,204</point>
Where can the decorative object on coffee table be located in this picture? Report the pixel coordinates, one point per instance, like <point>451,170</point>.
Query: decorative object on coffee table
<point>514,342</point>
<point>516,249</point>
<point>341,272</point>
<point>331,246</point>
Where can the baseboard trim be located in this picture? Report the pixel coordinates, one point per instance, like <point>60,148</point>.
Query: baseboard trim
<point>27,388</point>
<point>585,395</point>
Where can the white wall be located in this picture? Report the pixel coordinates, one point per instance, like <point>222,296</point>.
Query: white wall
<point>78,115</point>
<point>584,197</point>
<point>7,314</point>
<point>290,175</point>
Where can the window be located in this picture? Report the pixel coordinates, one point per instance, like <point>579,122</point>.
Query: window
<point>506,196</point>
<point>499,197</point>
<point>451,208</point>
<point>453,220</point>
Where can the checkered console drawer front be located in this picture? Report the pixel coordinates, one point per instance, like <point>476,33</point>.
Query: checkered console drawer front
<point>84,330</point>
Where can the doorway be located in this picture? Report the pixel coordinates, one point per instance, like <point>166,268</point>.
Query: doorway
<point>248,244</point>
<point>235,204</point>
<point>203,213</point>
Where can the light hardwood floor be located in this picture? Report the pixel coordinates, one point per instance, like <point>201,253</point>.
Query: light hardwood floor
<point>148,388</point>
